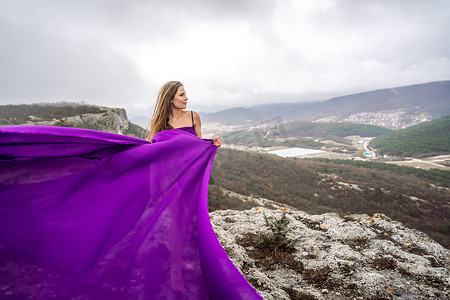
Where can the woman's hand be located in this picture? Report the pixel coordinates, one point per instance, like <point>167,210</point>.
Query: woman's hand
<point>217,141</point>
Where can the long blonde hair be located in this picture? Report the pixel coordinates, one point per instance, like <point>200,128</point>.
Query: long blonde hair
<point>160,118</point>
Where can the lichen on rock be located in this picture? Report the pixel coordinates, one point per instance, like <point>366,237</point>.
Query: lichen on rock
<point>354,257</point>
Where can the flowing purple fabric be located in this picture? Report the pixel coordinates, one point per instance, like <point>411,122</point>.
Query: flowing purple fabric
<point>93,215</point>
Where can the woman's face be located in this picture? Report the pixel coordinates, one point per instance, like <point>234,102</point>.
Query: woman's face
<point>179,101</point>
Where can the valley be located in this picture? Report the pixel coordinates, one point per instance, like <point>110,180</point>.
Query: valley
<point>424,145</point>
<point>441,162</point>
<point>417,197</point>
<point>334,166</point>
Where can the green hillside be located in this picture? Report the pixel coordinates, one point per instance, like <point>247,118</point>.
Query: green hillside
<point>300,134</point>
<point>421,140</point>
<point>417,198</point>
<point>324,129</point>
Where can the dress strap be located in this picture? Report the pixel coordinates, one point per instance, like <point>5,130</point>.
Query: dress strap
<point>192,117</point>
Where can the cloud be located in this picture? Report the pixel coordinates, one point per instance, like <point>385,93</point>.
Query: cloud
<point>38,67</point>
<point>228,53</point>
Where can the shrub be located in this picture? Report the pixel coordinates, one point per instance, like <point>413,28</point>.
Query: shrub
<point>275,239</point>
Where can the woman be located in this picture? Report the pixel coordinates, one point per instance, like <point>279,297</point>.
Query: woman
<point>94,215</point>
<point>169,113</point>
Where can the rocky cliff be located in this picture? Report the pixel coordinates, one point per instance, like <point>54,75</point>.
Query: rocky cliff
<point>107,119</point>
<point>110,119</point>
<point>354,257</point>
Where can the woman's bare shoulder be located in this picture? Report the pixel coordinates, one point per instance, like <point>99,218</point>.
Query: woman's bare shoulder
<point>187,114</point>
<point>196,116</point>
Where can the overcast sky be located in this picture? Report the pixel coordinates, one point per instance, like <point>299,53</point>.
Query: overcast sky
<point>228,53</point>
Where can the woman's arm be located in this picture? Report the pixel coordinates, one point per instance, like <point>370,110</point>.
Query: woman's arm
<point>197,124</point>
<point>217,141</point>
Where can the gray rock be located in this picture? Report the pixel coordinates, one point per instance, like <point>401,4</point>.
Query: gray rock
<point>354,257</point>
<point>113,120</point>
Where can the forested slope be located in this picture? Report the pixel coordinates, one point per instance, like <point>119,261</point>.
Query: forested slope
<point>421,140</point>
<point>418,198</point>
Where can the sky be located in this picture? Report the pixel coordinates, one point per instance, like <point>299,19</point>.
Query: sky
<point>228,53</point>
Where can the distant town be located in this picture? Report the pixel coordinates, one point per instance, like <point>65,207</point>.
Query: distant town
<point>394,119</point>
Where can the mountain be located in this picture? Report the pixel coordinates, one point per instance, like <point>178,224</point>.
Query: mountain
<point>392,108</point>
<point>233,116</point>
<point>65,114</point>
<point>356,256</point>
<point>430,98</point>
<point>421,140</point>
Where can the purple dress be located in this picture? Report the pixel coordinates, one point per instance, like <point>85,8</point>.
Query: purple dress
<point>93,215</point>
